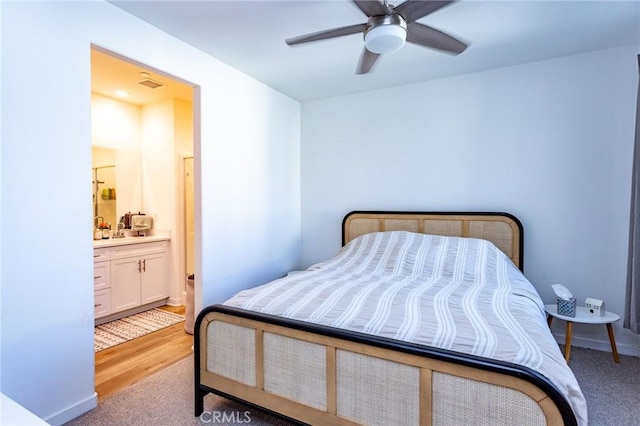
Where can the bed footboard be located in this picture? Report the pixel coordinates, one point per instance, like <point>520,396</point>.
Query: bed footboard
<point>321,375</point>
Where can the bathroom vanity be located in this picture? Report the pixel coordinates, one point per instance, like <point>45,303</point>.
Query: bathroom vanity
<point>130,275</point>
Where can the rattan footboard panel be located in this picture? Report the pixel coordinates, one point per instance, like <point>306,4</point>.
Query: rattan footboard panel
<point>371,390</point>
<point>295,369</point>
<point>463,401</point>
<point>319,375</point>
<point>233,349</point>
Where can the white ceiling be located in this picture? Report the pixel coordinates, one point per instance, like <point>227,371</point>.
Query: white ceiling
<point>249,35</point>
<point>109,74</point>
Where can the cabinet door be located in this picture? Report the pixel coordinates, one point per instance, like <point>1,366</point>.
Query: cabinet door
<point>125,283</point>
<point>155,277</point>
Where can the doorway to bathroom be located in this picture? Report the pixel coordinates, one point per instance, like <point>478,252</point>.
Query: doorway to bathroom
<point>144,129</point>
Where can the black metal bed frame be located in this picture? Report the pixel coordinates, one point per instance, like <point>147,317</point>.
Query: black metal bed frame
<point>487,364</point>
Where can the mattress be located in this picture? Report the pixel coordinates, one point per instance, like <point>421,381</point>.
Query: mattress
<point>458,294</point>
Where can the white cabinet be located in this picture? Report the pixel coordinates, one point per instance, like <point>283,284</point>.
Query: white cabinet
<point>139,275</point>
<point>125,291</point>
<point>101,303</point>
<point>101,275</point>
<point>101,282</point>
<point>155,277</point>
<point>129,276</point>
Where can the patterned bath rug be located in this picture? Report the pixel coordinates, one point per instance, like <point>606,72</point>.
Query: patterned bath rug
<point>119,331</point>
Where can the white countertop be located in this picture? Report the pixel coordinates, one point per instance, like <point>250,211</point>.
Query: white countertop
<point>112,242</point>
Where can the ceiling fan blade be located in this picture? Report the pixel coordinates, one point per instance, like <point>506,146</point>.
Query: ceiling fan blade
<point>412,10</point>
<point>371,8</point>
<point>321,35</point>
<point>367,59</point>
<point>435,39</point>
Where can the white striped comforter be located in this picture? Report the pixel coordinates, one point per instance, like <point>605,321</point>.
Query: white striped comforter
<point>461,294</point>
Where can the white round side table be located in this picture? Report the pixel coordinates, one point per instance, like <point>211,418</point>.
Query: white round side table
<point>583,317</point>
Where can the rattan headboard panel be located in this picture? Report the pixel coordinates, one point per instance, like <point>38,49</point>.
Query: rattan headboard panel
<point>502,229</point>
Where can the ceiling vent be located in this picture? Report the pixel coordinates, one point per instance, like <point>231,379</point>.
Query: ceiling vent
<point>152,84</point>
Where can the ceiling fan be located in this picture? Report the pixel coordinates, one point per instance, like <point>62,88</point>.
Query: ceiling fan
<point>387,29</point>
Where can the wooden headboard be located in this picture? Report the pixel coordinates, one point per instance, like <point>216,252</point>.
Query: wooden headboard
<point>502,229</point>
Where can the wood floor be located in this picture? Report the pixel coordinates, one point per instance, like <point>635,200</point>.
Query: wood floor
<point>122,365</point>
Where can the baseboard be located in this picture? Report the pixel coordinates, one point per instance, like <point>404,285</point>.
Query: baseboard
<point>74,411</point>
<point>176,301</point>
<point>599,345</point>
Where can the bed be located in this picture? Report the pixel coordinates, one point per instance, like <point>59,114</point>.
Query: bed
<point>421,318</point>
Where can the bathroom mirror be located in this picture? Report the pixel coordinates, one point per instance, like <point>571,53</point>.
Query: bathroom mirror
<point>116,184</point>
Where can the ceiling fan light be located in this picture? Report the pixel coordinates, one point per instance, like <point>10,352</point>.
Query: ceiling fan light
<point>385,38</point>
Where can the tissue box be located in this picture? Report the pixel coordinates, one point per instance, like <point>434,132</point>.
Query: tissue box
<point>567,308</point>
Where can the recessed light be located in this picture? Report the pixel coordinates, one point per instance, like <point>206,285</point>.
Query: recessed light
<point>122,93</point>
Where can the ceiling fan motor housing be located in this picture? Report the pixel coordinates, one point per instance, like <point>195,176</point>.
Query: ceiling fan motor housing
<point>385,33</point>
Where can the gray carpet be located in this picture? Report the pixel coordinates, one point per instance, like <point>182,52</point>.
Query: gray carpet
<point>166,398</point>
<point>612,390</point>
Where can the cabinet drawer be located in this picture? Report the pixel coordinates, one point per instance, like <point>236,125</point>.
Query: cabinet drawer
<point>101,275</point>
<point>134,250</point>
<point>101,254</point>
<point>102,303</point>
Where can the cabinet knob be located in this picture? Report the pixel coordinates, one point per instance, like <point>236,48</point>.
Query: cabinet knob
<point>98,277</point>
<point>99,304</point>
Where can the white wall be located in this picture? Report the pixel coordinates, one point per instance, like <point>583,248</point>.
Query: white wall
<point>183,127</point>
<point>249,160</point>
<point>550,142</point>
<point>1,185</point>
<point>116,126</point>
<point>158,165</point>
<point>183,236</point>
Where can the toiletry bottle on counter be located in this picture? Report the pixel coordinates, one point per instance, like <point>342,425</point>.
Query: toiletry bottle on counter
<point>106,232</point>
<point>97,234</point>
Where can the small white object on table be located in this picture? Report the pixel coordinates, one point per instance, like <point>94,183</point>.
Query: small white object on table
<point>583,317</point>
